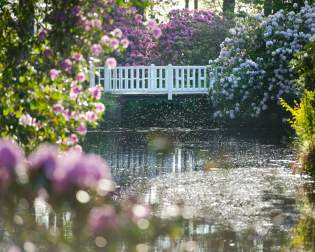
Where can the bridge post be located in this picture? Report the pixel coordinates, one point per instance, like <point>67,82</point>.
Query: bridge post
<point>107,78</point>
<point>92,74</point>
<point>170,81</point>
<point>152,77</point>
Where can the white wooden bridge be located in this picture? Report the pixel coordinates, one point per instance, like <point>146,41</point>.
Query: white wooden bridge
<point>153,79</point>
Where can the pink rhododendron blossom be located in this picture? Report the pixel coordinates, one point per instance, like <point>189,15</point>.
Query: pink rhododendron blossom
<point>124,43</point>
<point>138,18</point>
<point>157,32</point>
<point>96,92</point>
<point>87,25</point>
<point>152,24</point>
<point>105,39</point>
<point>45,158</point>
<point>117,33</point>
<point>66,65</point>
<point>66,114</point>
<point>80,77</point>
<point>95,23</point>
<point>99,107</point>
<point>114,43</point>
<point>53,73</point>
<point>82,130</point>
<point>58,108</point>
<point>111,63</point>
<point>27,120</point>
<point>10,154</point>
<point>77,56</point>
<point>79,170</point>
<point>75,11</point>
<point>96,49</point>
<point>75,91</point>
<point>102,218</point>
<point>48,52</point>
<point>91,116</point>
<point>42,34</point>
<point>72,139</point>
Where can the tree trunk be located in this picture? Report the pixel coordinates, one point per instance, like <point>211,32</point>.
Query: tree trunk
<point>228,8</point>
<point>187,4</point>
<point>196,4</point>
<point>267,7</point>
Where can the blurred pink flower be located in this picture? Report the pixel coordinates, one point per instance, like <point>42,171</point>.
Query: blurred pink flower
<point>114,43</point>
<point>91,116</point>
<point>82,130</point>
<point>75,91</point>
<point>105,39</point>
<point>138,19</point>
<point>27,120</point>
<point>152,24</point>
<point>157,33</point>
<point>99,107</point>
<point>53,73</point>
<point>66,65</point>
<point>42,34</point>
<point>111,63</point>
<point>58,108</point>
<point>80,77</point>
<point>102,218</point>
<point>77,56</point>
<point>117,33</point>
<point>124,43</point>
<point>96,92</point>
<point>45,158</point>
<point>72,139</point>
<point>96,49</point>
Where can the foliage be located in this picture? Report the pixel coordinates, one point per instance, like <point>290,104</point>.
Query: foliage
<point>304,65</point>
<point>189,37</point>
<point>303,113</point>
<point>44,71</point>
<point>71,184</point>
<point>303,122</point>
<point>252,70</point>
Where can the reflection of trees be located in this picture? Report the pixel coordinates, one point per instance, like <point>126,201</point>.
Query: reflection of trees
<point>304,231</point>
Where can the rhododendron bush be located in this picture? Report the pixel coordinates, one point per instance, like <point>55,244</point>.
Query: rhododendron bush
<point>190,37</point>
<point>44,71</point>
<point>72,196</point>
<point>252,70</point>
<point>138,36</point>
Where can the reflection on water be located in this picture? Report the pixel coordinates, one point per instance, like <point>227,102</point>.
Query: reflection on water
<point>153,152</point>
<point>235,187</point>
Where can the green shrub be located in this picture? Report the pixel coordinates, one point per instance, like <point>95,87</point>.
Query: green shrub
<point>303,122</point>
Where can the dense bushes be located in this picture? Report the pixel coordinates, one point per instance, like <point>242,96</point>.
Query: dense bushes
<point>43,73</point>
<point>303,113</point>
<point>190,38</point>
<point>139,37</point>
<point>253,69</point>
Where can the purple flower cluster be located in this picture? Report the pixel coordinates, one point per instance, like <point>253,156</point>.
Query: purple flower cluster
<point>62,170</point>
<point>181,36</point>
<point>11,157</point>
<point>139,38</point>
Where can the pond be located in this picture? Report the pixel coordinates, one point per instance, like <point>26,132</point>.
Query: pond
<point>235,188</point>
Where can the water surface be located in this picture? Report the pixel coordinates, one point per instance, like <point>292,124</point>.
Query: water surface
<point>235,188</point>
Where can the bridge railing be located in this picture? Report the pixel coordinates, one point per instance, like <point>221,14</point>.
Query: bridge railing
<point>152,79</point>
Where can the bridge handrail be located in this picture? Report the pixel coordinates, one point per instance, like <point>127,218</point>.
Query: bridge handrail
<point>152,79</point>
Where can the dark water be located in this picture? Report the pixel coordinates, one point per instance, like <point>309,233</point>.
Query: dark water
<point>235,187</point>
